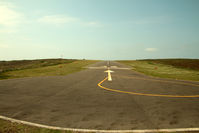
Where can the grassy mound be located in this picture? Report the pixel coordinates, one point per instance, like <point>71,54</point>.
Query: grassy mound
<point>185,69</point>
<point>45,67</point>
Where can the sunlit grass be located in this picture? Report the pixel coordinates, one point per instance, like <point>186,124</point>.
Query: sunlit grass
<point>56,70</point>
<point>11,127</point>
<point>162,70</point>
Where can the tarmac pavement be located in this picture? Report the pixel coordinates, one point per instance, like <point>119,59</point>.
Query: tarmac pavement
<point>76,100</point>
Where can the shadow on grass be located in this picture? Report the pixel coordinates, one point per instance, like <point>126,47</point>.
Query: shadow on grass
<point>3,76</point>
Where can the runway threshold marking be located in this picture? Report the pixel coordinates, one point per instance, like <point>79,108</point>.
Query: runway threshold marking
<point>143,94</point>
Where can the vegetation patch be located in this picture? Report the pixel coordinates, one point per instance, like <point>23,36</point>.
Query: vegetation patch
<point>167,68</point>
<point>12,127</point>
<point>48,67</point>
<point>26,64</point>
<point>192,64</point>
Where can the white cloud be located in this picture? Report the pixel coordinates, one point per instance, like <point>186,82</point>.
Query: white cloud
<point>57,19</point>
<point>25,38</point>
<point>93,24</point>
<point>151,49</point>
<point>63,19</point>
<point>2,46</point>
<point>10,19</point>
<point>8,16</point>
<point>7,30</point>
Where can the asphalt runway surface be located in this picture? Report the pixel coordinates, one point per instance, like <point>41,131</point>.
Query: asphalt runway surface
<point>76,100</point>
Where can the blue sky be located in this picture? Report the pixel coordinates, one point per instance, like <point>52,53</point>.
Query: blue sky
<point>99,29</point>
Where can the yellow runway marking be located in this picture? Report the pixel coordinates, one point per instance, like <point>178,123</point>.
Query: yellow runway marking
<point>144,94</point>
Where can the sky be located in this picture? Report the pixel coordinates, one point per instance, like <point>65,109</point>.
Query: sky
<point>99,29</point>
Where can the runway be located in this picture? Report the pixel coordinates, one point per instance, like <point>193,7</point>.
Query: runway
<point>77,100</point>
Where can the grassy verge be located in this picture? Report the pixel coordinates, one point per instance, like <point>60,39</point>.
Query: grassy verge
<point>26,64</point>
<point>10,127</point>
<point>168,68</point>
<point>63,68</point>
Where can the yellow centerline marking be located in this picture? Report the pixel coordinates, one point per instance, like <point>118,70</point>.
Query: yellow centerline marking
<point>144,94</point>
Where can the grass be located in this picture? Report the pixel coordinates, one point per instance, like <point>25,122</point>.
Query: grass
<point>184,69</point>
<point>11,127</point>
<point>192,64</point>
<point>25,64</point>
<point>61,67</point>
